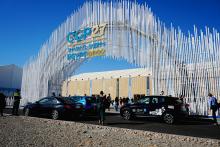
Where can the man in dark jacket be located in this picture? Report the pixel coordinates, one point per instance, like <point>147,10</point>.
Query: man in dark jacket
<point>101,107</point>
<point>116,103</point>
<point>2,103</point>
<point>109,100</point>
<point>17,98</point>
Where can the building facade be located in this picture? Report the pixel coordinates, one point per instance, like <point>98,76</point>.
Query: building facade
<point>119,83</point>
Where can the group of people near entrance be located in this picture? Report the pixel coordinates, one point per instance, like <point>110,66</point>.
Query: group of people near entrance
<point>16,103</point>
<point>118,102</point>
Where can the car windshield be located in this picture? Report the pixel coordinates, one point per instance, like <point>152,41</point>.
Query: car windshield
<point>178,101</point>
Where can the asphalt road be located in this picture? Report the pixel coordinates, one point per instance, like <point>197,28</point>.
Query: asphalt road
<point>195,127</point>
<point>191,127</point>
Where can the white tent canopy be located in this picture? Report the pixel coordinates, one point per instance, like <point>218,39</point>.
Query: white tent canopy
<point>112,74</point>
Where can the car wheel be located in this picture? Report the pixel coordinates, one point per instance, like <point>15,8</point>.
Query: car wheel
<point>126,114</point>
<point>55,114</point>
<point>168,118</point>
<point>27,112</point>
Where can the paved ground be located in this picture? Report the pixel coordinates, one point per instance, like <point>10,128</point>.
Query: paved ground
<point>192,127</point>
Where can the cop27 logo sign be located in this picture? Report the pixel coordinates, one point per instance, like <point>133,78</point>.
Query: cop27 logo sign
<point>86,43</point>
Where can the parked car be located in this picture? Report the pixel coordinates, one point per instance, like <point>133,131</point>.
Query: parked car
<point>168,108</point>
<point>53,107</point>
<point>87,105</point>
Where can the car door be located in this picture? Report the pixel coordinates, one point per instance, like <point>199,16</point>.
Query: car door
<point>55,103</point>
<point>78,103</point>
<point>142,107</point>
<point>50,105</point>
<point>35,108</point>
<point>44,106</point>
<point>155,107</point>
<point>90,107</point>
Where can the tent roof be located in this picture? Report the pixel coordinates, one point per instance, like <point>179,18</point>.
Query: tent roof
<point>112,74</point>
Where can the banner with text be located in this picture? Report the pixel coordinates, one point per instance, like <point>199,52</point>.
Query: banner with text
<point>86,43</point>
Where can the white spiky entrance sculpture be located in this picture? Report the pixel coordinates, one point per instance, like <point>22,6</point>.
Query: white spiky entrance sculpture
<point>181,64</point>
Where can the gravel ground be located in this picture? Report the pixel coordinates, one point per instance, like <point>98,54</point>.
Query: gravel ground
<point>20,131</point>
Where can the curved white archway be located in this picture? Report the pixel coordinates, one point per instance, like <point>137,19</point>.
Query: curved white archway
<point>180,64</point>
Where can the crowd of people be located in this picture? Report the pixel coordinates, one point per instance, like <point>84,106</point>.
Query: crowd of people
<point>104,102</point>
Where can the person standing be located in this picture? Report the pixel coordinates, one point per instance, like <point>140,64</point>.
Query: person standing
<point>116,103</point>
<point>213,105</point>
<point>109,99</point>
<point>120,101</point>
<point>101,108</point>
<point>162,93</point>
<point>2,103</point>
<point>182,98</point>
<point>53,94</point>
<point>17,98</point>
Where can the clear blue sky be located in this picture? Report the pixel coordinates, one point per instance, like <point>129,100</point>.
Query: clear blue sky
<point>26,24</point>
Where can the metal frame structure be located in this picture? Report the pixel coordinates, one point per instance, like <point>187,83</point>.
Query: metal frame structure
<point>180,64</point>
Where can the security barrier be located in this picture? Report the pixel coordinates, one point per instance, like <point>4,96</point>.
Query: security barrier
<point>9,101</point>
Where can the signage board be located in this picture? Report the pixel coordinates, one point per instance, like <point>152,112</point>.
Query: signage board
<point>86,43</point>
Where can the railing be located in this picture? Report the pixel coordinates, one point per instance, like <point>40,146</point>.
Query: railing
<point>9,102</point>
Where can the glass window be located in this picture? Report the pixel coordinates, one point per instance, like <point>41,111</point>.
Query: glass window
<point>145,100</point>
<point>44,101</point>
<point>154,100</point>
<point>173,100</point>
<point>161,100</point>
<point>55,101</point>
<point>177,101</point>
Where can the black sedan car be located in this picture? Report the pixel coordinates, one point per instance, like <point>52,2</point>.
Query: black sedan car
<point>52,107</point>
<point>168,108</point>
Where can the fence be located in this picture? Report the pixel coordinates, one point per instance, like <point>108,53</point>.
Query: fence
<point>9,102</point>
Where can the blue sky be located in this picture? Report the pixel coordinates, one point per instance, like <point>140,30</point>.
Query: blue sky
<point>26,24</point>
